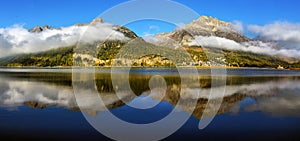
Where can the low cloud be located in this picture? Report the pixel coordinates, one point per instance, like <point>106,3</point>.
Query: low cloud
<point>280,31</point>
<point>17,39</point>
<point>260,47</point>
<point>287,34</point>
<point>284,36</point>
<point>238,26</point>
<point>161,41</point>
<point>152,30</point>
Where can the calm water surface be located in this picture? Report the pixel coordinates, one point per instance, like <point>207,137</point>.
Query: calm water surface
<point>259,104</point>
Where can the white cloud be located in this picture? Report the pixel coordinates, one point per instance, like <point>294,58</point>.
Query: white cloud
<point>288,34</point>
<point>280,31</point>
<point>238,26</point>
<point>161,41</point>
<point>286,37</point>
<point>17,39</point>
<point>154,28</point>
<point>252,46</point>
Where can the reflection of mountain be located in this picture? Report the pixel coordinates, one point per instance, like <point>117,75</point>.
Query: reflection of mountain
<point>277,95</point>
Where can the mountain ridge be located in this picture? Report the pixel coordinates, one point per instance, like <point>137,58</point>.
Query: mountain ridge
<point>204,26</point>
<point>105,53</point>
<point>38,29</point>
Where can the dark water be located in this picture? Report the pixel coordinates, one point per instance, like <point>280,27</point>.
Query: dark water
<point>258,104</point>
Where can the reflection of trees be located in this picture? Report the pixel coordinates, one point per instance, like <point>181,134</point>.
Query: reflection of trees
<point>173,95</point>
<point>258,88</point>
<point>64,79</point>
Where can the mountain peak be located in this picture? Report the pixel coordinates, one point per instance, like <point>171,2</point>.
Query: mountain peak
<point>97,20</point>
<point>204,26</point>
<point>38,29</point>
<point>212,20</point>
<point>210,23</point>
<point>93,22</point>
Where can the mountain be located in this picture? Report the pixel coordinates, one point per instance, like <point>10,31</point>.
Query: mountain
<point>38,29</point>
<point>63,56</point>
<point>55,57</point>
<point>94,21</point>
<point>157,51</point>
<point>219,39</point>
<point>209,26</point>
<point>204,26</point>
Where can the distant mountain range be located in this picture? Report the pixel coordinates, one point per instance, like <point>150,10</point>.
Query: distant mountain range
<point>202,38</point>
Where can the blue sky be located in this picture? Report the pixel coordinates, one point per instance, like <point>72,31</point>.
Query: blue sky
<point>60,13</point>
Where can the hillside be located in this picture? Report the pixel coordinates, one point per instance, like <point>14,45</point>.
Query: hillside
<point>64,57</point>
<point>56,57</point>
<point>138,52</point>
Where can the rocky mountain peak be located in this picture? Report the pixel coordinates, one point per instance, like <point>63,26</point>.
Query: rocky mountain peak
<point>93,22</point>
<point>204,26</point>
<point>210,22</point>
<point>97,20</point>
<point>127,32</point>
<point>38,29</point>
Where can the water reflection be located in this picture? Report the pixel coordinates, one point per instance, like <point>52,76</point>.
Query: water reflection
<point>284,102</point>
<point>278,96</point>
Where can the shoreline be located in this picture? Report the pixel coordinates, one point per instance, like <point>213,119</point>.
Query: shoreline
<point>164,71</point>
<point>105,69</point>
<point>159,67</point>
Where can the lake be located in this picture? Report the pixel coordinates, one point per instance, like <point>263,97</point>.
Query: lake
<point>258,104</point>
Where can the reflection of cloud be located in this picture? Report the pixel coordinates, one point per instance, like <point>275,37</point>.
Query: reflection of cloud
<point>274,97</point>
<point>252,90</point>
<point>89,101</point>
<point>286,102</point>
<point>17,93</point>
<point>17,39</point>
<point>279,97</point>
